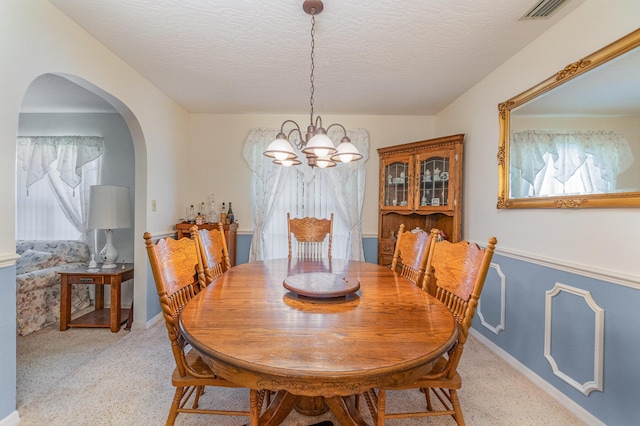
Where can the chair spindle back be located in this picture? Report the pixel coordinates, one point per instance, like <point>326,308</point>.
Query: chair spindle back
<point>178,275</point>
<point>213,249</point>
<point>310,233</point>
<point>410,254</point>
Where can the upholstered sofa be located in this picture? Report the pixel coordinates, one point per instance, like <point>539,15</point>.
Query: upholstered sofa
<point>38,283</point>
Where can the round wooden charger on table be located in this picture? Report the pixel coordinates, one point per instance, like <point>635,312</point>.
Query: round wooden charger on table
<point>322,285</point>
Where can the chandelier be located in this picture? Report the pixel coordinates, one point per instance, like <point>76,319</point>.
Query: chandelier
<point>315,144</point>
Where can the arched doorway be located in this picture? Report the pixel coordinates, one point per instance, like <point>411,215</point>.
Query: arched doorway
<point>66,104</point>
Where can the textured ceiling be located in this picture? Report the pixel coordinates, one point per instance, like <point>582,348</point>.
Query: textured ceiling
<point>394,57</point>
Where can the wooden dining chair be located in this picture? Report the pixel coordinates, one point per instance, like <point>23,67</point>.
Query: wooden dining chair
<point>455,275</point>
<point>309,233</point>
<point>213,250</point>
<point>178,274</point>
<point>410,254</point>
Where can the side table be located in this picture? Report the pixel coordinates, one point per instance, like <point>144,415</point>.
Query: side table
<point>101,317</point>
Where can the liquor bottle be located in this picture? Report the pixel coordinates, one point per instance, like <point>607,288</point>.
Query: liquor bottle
<point>223,214</point>
<point>230,215</point>
<point>191,217</point>
<point>199,219</point>
<point>213,213</point>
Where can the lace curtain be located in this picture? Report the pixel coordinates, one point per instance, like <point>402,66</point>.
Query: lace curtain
<point>71,165</point>
<point>303,191</point>
<point>548,162</point>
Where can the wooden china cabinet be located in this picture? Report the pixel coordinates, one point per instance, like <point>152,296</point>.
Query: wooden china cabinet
<point>420,186</point>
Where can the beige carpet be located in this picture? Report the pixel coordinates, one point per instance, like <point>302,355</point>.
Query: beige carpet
<point>95,377</point>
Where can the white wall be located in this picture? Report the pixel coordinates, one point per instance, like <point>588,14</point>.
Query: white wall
<point>602,240</point>
<point>40,39</point>
<point>216,163</point>
<point>36,38</point>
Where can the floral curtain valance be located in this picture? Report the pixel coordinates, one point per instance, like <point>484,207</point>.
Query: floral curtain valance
<point>611,152</point>
<point>36,154</point>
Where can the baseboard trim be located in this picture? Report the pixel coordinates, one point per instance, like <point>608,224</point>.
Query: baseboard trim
<point>153,321</point>
<point>11,420</point>
<point>564,400</point>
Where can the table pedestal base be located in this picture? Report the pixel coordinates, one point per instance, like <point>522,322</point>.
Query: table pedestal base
<point>311,406</point>
<point>343,407</point>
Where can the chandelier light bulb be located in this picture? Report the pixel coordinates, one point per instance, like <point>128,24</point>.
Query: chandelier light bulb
<point>288,162</point>
<point>281,156</point>
<point>321,152</point>
<point>346,158</point>
<point>324,162</point>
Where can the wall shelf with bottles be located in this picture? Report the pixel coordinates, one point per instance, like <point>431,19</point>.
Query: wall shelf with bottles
<point>420,186</point>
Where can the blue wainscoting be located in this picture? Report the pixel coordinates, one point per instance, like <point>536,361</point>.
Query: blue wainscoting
<point>8,346</point>
<point>153,302</point>
<point>588,327</point>
<point>370,249</point>
<point>243,244</point>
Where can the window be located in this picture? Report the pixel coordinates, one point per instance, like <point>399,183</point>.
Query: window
<point>302,199</point>
<point>546,163</point>
<point>303,191</point>
<point>53,177</point>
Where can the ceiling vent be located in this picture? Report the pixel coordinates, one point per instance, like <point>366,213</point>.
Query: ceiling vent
<point>544,9</point>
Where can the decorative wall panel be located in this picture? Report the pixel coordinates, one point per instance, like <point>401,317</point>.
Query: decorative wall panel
<point>494,289</point>
<point>598,343</point>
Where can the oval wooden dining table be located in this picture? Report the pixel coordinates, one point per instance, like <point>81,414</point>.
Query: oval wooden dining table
<point>261,335</point>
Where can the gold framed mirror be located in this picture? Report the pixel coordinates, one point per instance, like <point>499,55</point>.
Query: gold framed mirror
<point>573,141</point>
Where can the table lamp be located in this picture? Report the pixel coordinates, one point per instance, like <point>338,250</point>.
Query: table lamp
<point>109,208</point>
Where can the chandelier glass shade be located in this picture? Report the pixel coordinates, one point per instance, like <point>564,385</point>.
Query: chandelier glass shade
<point>315,144</point>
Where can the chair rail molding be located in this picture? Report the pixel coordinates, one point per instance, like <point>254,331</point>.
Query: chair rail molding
<point>501,326</point>
<point>590,271</point>
<point>598,357</point>
<point>8,259</point>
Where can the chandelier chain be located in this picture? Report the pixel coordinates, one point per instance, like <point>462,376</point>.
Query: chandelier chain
<point>311,76</point>
<point>319,149</point>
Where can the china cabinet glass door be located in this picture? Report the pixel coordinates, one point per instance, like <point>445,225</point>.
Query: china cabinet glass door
<point>397,181</point>
<point>434,189</point>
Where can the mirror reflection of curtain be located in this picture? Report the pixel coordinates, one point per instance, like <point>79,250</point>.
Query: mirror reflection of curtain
<point>303,191</point>
<point>545,163</point>
<point>71,164</point>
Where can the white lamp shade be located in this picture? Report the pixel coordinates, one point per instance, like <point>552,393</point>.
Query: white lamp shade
<point>347,152</point>
<point>320,145</point>
<point>109,207</point>
<point>280,149</point>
